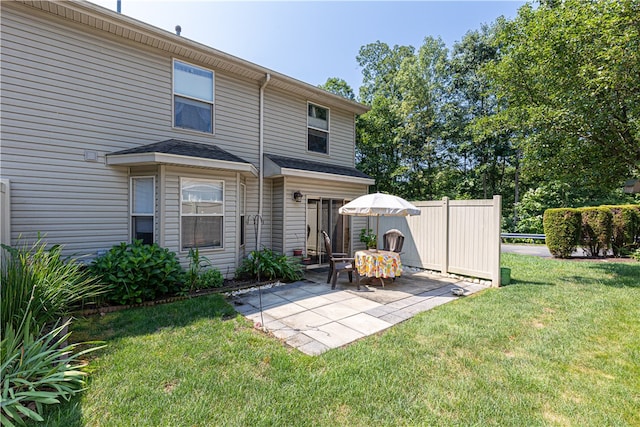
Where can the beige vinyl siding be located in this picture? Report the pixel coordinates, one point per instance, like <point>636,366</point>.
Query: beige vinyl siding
<point>277,228</point>
<point>285,130</point>
<point>65,91</point>
<point>295,220</point>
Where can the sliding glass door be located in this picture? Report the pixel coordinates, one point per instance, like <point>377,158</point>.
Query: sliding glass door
<point>322,215</point>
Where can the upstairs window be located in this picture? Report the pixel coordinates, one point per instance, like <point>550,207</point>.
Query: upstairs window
<point>318,129</point>
<point>192,97</point>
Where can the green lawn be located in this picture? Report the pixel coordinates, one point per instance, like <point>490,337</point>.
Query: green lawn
<point>559,346</point>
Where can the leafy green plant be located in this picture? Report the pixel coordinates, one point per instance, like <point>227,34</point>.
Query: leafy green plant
<point>38,369</point>
<point>41,279</point>
<point>625,227</point>
<point>210,278</point>
<point>268,265</point>
<point>133,273</point>
<point>368,238</point>
<point>596,230</point>
<point>201,274</point>
<point>562,230</point>
<point>636,255</point>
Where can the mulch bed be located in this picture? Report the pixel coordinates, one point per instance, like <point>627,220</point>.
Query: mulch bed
<point>228,286</point>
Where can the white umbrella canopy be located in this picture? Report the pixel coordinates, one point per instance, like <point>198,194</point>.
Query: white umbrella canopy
<point>379,204</point>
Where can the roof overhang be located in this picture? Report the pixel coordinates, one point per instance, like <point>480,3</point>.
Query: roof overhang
<point>274,170</point>
<point>297,173</point>
<point>84,13</point>
<point>144,159</point>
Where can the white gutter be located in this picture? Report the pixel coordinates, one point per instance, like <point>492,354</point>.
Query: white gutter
<point>267,77</point>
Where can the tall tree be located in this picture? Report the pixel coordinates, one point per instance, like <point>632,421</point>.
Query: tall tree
<point>339,87</point>
<point>570,74</point>
<point>399,140</point>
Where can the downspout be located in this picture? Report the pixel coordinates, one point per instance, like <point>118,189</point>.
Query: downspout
<point>267,77</point>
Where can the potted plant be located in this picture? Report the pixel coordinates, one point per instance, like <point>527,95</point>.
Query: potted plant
<point>369,239</point>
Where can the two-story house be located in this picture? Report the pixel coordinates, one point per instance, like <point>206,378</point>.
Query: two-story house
<point>113,130</point>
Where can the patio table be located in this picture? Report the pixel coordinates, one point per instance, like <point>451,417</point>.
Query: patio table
<point>379,264</point>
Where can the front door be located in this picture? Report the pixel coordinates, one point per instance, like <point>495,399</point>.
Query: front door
<point>322,215</point>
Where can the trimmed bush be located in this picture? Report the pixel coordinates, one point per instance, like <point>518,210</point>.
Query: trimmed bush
<point>596,230</point>
<point>562,230</point>
<point>625,228</point>
<point>135,272</point>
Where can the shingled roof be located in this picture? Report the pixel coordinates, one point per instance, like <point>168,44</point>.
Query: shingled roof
<point>307,165</point>
<point>178,152</point>
<point>178,147</point>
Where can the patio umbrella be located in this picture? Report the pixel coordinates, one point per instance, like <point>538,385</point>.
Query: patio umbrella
<point>379,204</point>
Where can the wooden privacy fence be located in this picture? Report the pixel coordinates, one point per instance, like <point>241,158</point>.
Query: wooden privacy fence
<point>452,236</point>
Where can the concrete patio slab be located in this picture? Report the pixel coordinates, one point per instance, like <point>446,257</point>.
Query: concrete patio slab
<point>312,317</point>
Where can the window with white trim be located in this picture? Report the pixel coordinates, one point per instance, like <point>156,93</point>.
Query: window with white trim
<point>242,210</point>
<point>142,208</point>
<point>193,97</point>
<point>317,129</point>
<point>201,213</point>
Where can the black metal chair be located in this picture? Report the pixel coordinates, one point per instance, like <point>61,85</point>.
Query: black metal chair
<point>393,240</point>
<point>339,262</point>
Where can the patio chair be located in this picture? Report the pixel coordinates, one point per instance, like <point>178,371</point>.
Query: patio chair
<point>393,240</point>
<point>339,262</point>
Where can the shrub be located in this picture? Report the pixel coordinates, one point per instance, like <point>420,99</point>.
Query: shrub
<point>37,369</point>
<point>42,280</point>
<point>133,273</point>
<point>201,274</point>
<point>210,278</point>
<point>596,230</point>
<point>625,228</point>
<point>562,230</point>
<point>266,264</point>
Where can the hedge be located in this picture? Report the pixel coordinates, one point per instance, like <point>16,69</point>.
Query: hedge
<point>562,228</point>
<point>596,230</point>
<point>615,227</point>
<point>625,228</point>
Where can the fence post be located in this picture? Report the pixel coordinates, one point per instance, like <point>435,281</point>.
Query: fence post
<point>497,220</point>
<point>445,235</point>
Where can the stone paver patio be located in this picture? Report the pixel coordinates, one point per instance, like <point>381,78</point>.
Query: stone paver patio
<point>310,316</point>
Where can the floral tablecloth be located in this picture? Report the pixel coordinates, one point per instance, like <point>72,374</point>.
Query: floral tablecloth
<point>384,264</point>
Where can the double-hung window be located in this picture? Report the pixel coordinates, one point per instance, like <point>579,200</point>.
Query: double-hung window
<point>318,129</point>
<point>142,208</point>
<point>201,213</point>
<point>243,204</point>
<point>193,97</point>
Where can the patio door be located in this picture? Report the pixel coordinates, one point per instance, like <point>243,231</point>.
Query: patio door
<point>322,214</point>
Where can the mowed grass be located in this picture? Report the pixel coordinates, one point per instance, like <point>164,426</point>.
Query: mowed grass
<point>559,346</point>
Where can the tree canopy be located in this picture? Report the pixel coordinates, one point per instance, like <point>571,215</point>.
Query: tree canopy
<point>569,73</point>
<point>546,105</point>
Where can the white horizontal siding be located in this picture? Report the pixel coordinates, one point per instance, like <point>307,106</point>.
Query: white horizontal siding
<point>285,127</point>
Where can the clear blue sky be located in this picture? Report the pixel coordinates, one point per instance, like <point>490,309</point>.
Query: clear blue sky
<point>312,41</point>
